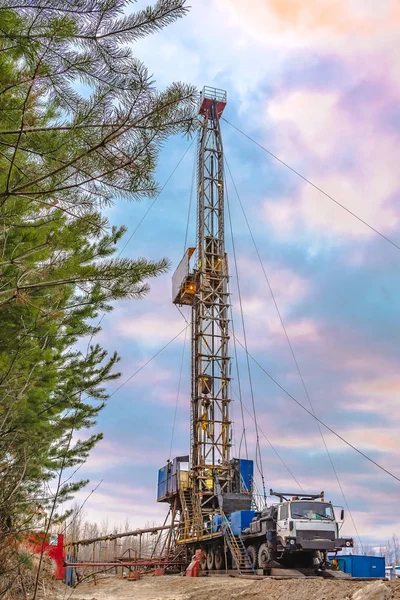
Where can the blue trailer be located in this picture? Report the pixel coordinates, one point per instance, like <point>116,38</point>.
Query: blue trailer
<point>367,567</point>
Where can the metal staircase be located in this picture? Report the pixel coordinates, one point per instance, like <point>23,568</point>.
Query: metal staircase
<point>237,549</point>
<point>191,522</point>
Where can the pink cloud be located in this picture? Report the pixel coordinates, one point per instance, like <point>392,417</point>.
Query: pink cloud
<point>383,392</point>
<point>303,116</point>
<point>315,22</point>
<point>264,329</point>
<point>317,126</point>
<point>262,322</point>
<point>153,372</point>
<point>150,329</point>
<point>302,329</point>
<point>366,437</point>
<point>109,454</point>
<point>313,131</point>
<point>105,507</point>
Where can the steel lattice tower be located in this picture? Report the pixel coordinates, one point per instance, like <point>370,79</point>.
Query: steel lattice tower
<point>205,288</point>
<point>210,423</point>
<point>214,483</point>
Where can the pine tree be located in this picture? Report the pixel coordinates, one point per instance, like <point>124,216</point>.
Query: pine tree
<point>63,148</point>
<point>64,155</point>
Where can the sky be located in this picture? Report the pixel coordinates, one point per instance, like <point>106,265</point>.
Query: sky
<point>318,84</point>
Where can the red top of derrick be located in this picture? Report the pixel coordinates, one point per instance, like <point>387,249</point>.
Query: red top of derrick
<point>210,95</point>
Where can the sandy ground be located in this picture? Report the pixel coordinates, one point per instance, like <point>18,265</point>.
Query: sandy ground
<point>228,588</point>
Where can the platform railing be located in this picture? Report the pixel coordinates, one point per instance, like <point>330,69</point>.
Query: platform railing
<point>214,94</point>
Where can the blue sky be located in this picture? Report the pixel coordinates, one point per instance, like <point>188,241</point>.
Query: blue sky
<point>317,85</point>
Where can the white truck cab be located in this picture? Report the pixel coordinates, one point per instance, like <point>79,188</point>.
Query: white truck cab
<point>307,522</point>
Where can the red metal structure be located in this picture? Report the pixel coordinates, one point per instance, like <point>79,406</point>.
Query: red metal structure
<point>212,97</point>
<point>52,545</point>
<point>153,563</point>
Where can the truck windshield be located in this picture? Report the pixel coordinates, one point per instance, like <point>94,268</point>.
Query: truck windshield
<point>311,510</point>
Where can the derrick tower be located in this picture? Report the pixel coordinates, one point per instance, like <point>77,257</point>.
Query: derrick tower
<point>210,423</point>
<point>214,482</point>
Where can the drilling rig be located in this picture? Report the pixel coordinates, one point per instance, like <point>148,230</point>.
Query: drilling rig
<point>211,494</point>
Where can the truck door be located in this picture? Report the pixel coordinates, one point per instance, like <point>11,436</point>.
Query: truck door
<point>282,525</point>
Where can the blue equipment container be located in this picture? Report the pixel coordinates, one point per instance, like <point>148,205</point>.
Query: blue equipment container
<point>171,477</point>
<point>162,483</point>
<point>247,472</point>
<point>240,520</point>
<point>362,566</point>
<point>216,523</point>
<point>244,472</point>
<point>70,572</point>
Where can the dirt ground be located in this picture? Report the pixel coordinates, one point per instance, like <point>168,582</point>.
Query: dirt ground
<point>228,588</point>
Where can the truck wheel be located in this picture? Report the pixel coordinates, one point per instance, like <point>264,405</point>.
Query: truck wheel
<point>252,554</point>
<point>210,559</point>
<point>264,556</point>
<point>219,559</point>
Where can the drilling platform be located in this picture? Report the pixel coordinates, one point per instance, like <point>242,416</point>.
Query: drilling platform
<point>212,498</point>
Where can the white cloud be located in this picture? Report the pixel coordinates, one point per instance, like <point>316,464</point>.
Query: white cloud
<point>150,329</point>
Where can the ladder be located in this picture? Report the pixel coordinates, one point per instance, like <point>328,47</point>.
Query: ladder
<point>237,549</point>
<point>187,508</point>
<point>192,522</point>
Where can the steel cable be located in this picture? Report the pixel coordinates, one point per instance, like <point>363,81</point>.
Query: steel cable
<point>293,353</point>
<point>382,235</point>
<point>258,450</point>
<point>340,437</point>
